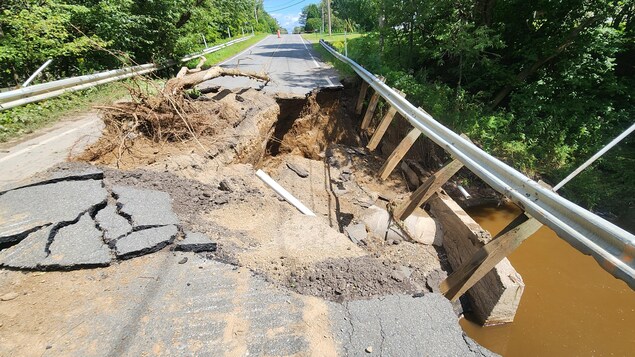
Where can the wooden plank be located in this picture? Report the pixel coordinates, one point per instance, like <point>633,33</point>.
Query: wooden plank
<point>362,96</point>
<point>383,126</point>
<point>427,189</point>
<point>400,151</point>
<point>370,111</point>
<point>484,260</point>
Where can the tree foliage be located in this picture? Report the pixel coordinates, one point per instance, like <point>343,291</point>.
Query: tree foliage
<point>75,33</point>
<point>543,84</point>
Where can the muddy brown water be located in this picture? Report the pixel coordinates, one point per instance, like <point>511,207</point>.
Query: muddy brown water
<point>570,307</point>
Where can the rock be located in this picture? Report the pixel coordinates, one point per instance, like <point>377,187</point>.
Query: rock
<point>113,224</point>
<point>196,242</point>
<point>434,279</point>
<point>302,172</point>
<point>146,208</point>
<point>356,232</point>
<point>29,253</point>
<point>145,241</point>
<point>369,349</point>
<point>183,261</point>
<point>9,296</point>
<point>397,276</point>
<point>226,185</point>
<point>26,209</point>
<point>79,244</point>
<point>419,224</point>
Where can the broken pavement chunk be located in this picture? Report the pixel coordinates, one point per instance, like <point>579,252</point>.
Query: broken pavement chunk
<point>113,225</point>
<point>145,241</point>
<point>29,253</point>
<point>81,174</point>
<point>301,171</point>
<point>196,242</point>
<point>77,245</point>
<point>146,208</point>
<point>25,209</point>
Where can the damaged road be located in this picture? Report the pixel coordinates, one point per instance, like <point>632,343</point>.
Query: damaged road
<point>73,220</point>
<point>160,240</point>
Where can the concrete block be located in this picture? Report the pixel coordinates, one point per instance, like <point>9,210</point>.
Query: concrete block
<point>495,297</point>
<point>421,226</point>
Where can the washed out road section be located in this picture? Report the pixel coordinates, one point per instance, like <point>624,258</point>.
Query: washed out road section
<point>294,68</point>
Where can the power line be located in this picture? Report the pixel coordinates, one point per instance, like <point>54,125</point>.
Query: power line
<point>286,6</point>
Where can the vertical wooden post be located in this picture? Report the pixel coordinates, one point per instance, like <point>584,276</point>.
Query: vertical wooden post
<point>481,262</point>
<point>383,126</point>
<point>372,106</point>
<point>399,152</point>
<point>370,111</point>
<point>362,96</point>
<point>427,189</point>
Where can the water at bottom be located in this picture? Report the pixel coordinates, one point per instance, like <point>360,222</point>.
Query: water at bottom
<point>570,306</point>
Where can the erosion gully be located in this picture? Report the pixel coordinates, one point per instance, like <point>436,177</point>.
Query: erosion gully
<point>570,306</point>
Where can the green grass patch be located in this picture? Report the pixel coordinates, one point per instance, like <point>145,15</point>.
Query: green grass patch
<point>225,53</point>
<point>336,37</point>
<point>26,119</point>
<point>344,69</point>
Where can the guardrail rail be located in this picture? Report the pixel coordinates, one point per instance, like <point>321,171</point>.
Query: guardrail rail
<point>38,92</point>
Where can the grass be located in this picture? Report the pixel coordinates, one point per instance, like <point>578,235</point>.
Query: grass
<point>336,37</point>
<point>221,55</point>
<point>26,119</point>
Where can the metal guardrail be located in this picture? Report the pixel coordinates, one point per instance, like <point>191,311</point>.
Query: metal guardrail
<point>611,246</point>
<point>38,92</point>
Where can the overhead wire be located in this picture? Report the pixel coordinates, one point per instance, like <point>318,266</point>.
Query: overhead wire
<point>286,6</point>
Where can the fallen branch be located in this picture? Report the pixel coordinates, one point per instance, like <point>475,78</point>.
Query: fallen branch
<point>187,81</point>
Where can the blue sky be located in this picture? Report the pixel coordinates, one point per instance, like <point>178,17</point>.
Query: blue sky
<point>287,12</point>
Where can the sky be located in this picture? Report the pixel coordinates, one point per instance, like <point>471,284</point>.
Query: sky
<point>287,12</point>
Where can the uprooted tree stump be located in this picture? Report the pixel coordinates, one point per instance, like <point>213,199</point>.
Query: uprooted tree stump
<point>171,115</point>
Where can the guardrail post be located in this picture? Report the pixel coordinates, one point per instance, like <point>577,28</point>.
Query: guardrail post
<point>372,105</point>
<point>383,125</point>
<point>484,260</point>
<point>362,96</point>
<point>399,152</point>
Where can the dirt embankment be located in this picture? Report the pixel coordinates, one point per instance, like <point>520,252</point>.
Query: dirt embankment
<point>311,146</point>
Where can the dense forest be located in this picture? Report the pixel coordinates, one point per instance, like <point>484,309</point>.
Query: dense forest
<point>87,35</point>
<point>542,84</point>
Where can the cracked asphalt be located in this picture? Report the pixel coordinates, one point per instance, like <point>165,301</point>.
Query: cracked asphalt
<point>174,303</point>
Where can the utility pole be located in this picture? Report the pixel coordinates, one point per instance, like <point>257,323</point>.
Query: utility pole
<point>328,4</point>
<point>256,10</point>
<point>322,18</point>
<point>229,33</point>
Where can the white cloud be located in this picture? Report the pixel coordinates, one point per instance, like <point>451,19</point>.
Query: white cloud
<point>288,21</point>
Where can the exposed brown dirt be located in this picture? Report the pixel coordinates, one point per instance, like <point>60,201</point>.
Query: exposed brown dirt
<point>216,192</point>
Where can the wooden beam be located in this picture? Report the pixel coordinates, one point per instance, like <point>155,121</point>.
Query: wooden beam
<point>400,151</point>
<point>481,262</point>
<point>372,106</point>
<point>362,96</point>
<point>427,189</point>
<point>383,126</point>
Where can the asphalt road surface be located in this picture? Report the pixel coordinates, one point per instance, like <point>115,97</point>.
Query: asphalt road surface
<point>294,67</point>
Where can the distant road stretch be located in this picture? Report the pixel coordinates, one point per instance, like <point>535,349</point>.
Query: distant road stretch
<point>294,68</point>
